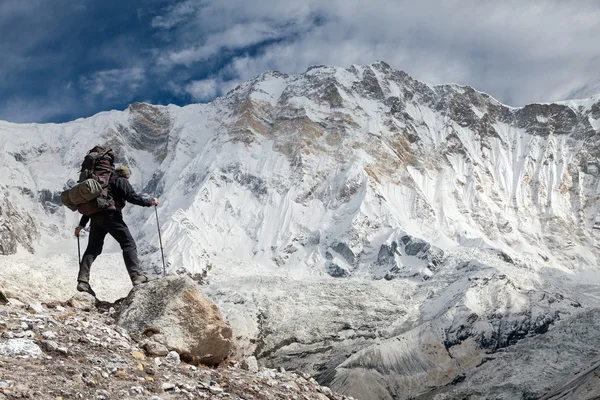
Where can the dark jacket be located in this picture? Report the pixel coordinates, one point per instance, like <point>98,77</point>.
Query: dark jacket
<point>121,191</point>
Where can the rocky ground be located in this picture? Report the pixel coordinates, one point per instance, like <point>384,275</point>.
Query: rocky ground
<point>74,350</point>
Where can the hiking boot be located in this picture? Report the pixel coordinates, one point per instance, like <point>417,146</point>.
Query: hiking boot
<point>138,280</point>
<point>85,287</point>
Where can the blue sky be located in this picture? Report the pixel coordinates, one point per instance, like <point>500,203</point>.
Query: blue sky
<point>65,59</point>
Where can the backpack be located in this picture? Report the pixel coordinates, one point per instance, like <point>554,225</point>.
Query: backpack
<point>90,194</point>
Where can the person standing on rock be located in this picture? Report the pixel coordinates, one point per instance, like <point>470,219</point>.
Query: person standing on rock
<point>111,221</point>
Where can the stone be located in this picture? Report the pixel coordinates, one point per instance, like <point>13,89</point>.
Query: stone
<point>291,386</point>
<point>120,374</point>
<point>25,335</point>
<point>167,386</point>
<point>250,364</point>
<point>215,389</point>
<point>82,301</point>
<point>35,308</point>
<point>325,390</point>
<point>155,349</point>
<point>173,358</point>
<point>49,335</point>
<point>50,345</point>
<point>3,298</point>
<point>20,347</point>
<point>102,394</point>
<point>138,355</point>
<point>15,302</point>
<point>186,320</point>
<point>137,389</point>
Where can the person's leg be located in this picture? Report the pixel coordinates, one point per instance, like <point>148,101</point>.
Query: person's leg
<point>93,250</point>
<point>120,231</point>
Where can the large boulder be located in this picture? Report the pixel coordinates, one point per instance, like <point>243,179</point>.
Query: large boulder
<point>175,313</point>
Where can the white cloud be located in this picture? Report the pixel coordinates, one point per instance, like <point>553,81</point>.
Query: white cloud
<point>517,51</point>
<point>203,90</point>
<point>113,83</point>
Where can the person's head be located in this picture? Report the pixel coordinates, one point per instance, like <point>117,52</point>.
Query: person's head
<point>124,171</point>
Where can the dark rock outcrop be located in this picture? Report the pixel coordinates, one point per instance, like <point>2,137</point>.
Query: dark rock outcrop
<point>16,228</point>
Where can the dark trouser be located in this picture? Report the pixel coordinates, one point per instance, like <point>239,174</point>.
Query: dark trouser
<point>110,222</point>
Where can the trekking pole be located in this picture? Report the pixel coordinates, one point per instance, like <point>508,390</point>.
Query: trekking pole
<point>160,240</point>
<point>78,251</point>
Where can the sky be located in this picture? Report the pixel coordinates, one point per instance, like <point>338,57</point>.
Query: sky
<point>65,59</point>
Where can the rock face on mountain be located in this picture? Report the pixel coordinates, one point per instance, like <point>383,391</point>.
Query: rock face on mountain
<point>15,229</point>
<point>353,221</point>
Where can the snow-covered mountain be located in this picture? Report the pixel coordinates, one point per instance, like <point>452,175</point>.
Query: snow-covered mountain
<point>392,238</point>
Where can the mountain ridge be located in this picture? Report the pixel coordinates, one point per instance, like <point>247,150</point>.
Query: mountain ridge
<point>430,220</point>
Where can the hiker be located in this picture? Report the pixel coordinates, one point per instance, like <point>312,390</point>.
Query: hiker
<point>110,220</point>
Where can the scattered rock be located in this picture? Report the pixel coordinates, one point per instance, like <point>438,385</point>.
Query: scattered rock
<point>137,389</point>
<point>52,347</point>
<point>49,335</point>
<point>326,391</point>
<point>100,364</point>
<point>187,320</point>
<point>150,370</point>
<point>35,308</point>
<point>250,364</point>
<point>173,358</point>
<point>15,302</point>
<point>102,394</point>
<point>155,349</point>
<point>82,301</point>
<point>215,389</point>
<point>20,347</point>
<point>120,374</point>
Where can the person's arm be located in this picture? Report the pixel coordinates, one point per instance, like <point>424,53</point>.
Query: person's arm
<point>84,220</point>
<point>82,223</point>
<point>126,191</point>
